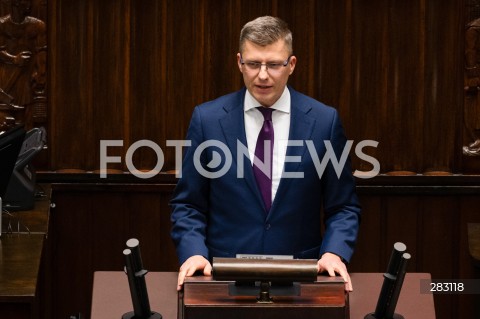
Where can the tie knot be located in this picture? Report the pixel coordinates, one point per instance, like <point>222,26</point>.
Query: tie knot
<point>267,112</point>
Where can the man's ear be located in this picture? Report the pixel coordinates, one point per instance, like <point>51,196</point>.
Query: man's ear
<point>238,63</point>
<point>292,63</point>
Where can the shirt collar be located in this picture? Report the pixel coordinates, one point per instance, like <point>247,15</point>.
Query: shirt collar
<point>282,104</point>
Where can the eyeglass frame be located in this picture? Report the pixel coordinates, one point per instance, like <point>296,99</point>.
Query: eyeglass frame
<point>284,64</point>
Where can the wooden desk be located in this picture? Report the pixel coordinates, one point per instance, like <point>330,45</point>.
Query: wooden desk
<point>21,251</point>
<point>19,266</point>
<point>111,295</point>
<point>411,303</point>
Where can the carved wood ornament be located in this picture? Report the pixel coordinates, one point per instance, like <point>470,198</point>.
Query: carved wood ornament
<point>23,59</point>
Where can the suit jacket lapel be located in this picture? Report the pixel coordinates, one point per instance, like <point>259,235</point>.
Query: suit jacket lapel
<point>301,128</point>
<point>233,126</point>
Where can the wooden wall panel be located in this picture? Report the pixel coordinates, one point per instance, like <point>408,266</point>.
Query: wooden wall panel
<point>404,72</point>
<point>331,55</point>
<point>400,224</point>
<point>90,226</point>
<point>70,238</point>
<point>443,124</point>
<point>134,70</point>
<point>364,99</point>
<point>109,74</point>
<point>468,211</point>
<point>436,239</point>
<point>221,75</point>
<point>439,234</point>
<point>148,113</point>
<point>69,91</point>
<point>301,16</point>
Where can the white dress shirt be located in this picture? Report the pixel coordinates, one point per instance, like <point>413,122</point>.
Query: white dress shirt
<point>281,127</point>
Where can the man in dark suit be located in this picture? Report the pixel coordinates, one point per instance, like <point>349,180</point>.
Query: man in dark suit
<point>228,211</point>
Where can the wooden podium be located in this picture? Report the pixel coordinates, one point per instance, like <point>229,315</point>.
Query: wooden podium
<point>205,298</point>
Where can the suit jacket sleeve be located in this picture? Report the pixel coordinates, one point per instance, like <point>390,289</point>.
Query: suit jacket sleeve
<point>341,205</point>
<point>190,200</point>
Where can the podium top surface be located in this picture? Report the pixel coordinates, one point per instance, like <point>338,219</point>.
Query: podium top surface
<point>111,295</point>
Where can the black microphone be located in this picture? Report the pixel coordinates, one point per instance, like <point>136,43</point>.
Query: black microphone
<point>392,284</point>
<point>136,281</point>
<point>390,311</point>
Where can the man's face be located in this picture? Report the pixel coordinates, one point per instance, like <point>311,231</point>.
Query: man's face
<point>266,84</point>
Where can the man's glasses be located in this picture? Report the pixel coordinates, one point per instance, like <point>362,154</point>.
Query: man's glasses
<point>270,66</point>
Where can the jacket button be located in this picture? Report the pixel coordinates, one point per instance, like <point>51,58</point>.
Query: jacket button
<point>268,226</point>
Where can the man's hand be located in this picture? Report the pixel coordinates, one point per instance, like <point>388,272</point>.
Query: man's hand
<point>190,266</point>
<point>332,264</point>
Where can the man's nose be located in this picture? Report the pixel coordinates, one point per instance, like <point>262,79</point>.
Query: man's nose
<point>263,73</point>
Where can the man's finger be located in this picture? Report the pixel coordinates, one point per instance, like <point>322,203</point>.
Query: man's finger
<point>331,271</point>
<point>208,270</point>
<point>348,283</point>
<point>346,277</point>
<point>190,271</point>
<point>181,279</point>
<point>348,286</point>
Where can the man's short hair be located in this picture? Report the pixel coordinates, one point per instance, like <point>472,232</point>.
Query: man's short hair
<point>266,30</point>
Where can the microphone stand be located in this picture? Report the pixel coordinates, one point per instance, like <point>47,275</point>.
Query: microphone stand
<point>392,284</point>
<point>136,281</point>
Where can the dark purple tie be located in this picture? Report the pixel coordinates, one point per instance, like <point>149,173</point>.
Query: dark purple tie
<point>264,180</point>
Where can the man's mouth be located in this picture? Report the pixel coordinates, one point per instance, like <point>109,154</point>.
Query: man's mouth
<point>263,87</point>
